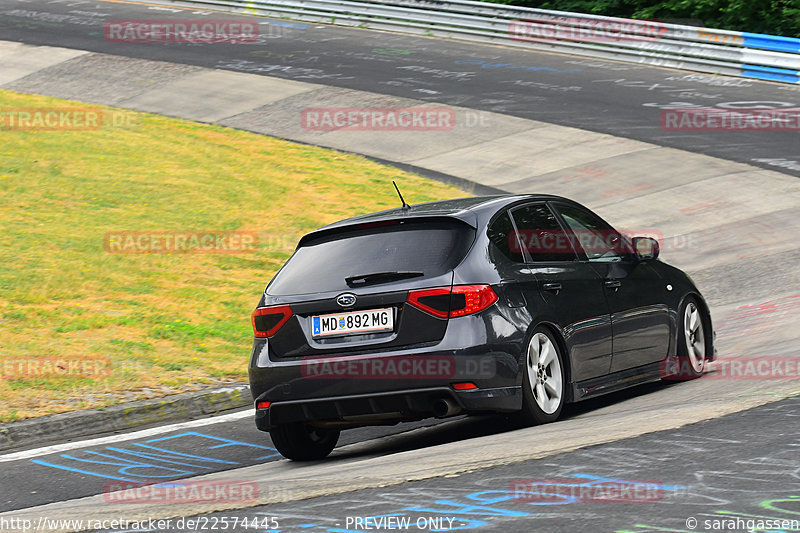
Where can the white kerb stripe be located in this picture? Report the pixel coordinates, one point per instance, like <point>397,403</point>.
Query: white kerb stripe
<point>56,448</point>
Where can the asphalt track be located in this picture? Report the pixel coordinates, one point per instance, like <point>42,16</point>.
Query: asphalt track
<point>735,473</point>
<point>753,298</point>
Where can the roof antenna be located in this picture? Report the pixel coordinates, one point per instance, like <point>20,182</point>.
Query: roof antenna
<point>405,205</point>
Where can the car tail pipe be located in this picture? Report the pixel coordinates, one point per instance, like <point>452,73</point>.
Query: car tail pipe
<point>444,407</point>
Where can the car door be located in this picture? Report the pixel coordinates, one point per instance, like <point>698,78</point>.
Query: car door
<point>559,287</point>
<point>634,290</point>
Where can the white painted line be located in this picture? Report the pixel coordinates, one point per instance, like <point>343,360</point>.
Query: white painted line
<point>55,448</point>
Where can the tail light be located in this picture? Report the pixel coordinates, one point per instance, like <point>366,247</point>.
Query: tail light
<point>268,320</point>
<point>447,302</point>
<point>469,299</point>
<point>433,301</point>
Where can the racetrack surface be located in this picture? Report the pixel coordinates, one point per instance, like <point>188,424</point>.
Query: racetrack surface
<point>726,474</point>
<point>547,123</point>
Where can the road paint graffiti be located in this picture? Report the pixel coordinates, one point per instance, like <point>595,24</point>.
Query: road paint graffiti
<point>439,73</point>
<point>514,66</point>
<point>444,509</point>
<point>725,520</point>
<point>164,460</point>
<point>243,65</point>
<point>605,65</point>
<point>780,162</point>
<point>682,92</point>
<point>725,105</point>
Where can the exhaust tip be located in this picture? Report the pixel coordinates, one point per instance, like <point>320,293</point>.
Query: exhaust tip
<point>445,407</point>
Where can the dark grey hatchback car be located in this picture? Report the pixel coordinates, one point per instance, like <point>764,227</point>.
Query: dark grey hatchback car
<point>515,304</point>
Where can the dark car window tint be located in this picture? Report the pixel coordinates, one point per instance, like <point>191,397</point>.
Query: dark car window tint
<point>323,264</point>
<point>541,235</point>
<point>598,240</point>
<point>502,236</point>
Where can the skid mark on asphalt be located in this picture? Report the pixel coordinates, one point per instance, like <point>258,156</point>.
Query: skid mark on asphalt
<point>742,331</point>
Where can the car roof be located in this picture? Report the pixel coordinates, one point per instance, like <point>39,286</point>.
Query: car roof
<point>466,209</point>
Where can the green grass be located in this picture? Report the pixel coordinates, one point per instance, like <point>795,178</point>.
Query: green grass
<point>162,321</point>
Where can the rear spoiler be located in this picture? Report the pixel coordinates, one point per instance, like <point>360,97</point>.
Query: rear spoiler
<point>463,217</point>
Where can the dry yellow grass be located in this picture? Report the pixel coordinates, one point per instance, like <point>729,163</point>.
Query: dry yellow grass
<point>162,322</point>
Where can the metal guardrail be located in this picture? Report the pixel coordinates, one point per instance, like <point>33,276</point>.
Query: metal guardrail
<point>731,53</point>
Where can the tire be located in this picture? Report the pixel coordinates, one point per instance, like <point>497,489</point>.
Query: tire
<point>544,381</point>
<point>299,441</point>
<point>693,341</point>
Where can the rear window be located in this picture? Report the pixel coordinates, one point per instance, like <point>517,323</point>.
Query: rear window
<point>432,247</point>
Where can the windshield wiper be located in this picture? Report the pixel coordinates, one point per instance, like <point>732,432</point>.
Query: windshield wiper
<point>380,277</point>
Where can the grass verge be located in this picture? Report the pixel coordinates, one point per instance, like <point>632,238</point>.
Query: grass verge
<point>156,323</point>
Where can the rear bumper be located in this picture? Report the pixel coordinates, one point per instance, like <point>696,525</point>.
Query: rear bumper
<point>394,385</point>
<point>386,408</point>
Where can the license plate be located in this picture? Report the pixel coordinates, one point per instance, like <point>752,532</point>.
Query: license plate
<point>354,322</point>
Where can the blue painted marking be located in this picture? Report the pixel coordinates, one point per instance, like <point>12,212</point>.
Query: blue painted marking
<point>617,480</point>
<point>591,481</point>
<point>468,524</point>
<point>208,459</point>
<point>78,470</point>
<point>503,496</point>
<point>316,326</point>
<point>129,465</point>
<point>159,457</point>
<point>126,467</point>
<point>460,508</point>
<point>225,443</point>
<point>497,496</point>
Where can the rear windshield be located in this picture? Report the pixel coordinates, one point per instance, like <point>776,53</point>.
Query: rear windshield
<point>432,247</point>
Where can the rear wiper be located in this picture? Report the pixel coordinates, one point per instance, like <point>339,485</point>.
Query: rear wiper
<point>380,277</point>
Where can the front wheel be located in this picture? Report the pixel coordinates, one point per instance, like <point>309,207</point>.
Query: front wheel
<point>544,383</point>
<point>299,441</point>
<point>692,340</point>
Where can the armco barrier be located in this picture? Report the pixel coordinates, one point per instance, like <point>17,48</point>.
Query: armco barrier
<point>731,53</point>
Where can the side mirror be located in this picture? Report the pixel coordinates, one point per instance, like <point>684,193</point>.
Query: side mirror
<point>646,248</point>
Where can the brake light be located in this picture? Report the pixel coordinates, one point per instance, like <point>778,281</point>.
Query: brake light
<point>268,320</point>
<point>469,299</point>
<point>446,302</point>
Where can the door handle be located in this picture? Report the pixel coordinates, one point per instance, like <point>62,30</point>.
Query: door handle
<point>555,287</point>
<point>612,283</point>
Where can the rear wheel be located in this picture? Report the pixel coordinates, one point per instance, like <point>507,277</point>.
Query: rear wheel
<point>299,441</point>
<point>544,383</point>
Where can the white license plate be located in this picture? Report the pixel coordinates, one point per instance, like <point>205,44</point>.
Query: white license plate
<point>368,321</point>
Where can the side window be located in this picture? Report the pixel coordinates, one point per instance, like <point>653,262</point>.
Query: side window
<point>599,241</point>
<point>541,235</point>
<point>502,235</point>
